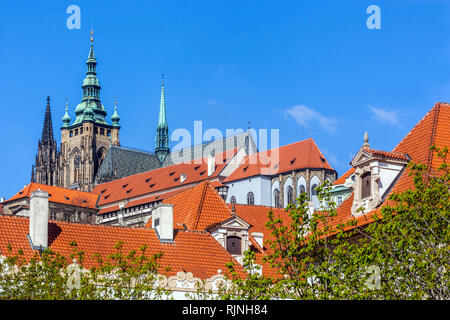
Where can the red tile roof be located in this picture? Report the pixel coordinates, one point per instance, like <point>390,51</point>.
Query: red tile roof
<point>198,207</point>
<point>195,252</point>
<point>298,155</point>
<point>344,177</point>
<point>59,195</point>
<point>387,154</point>
<point>159,179</point>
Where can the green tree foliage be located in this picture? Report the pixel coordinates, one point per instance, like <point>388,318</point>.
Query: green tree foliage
<point>404,254</point>
<point>49,276</point>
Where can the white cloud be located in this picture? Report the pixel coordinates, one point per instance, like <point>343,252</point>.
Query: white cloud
<point>384,115</point>
<point>309,117</point>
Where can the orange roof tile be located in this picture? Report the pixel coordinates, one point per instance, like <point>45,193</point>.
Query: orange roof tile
<point>344,177</point>
<point>60,195</point>
<point>159,179</point>
<point>298,155</point>
<point>194,252</point>
<point>198,207</point>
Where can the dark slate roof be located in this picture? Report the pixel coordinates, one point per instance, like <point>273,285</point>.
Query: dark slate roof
<point>122,162</point>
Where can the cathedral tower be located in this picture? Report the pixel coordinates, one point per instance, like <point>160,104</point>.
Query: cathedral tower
<point>162,130</point>
<point>45,170</point>
<point>84,143</point>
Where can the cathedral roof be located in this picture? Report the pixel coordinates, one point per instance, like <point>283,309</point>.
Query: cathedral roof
<point>120,162</point>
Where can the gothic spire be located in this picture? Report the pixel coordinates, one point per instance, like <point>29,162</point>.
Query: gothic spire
<point>47,130</point>
<point>162,130</point>
<point>162,122</point>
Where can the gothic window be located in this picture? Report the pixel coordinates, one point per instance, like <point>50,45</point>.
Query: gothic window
<point>233,200</point>
<point>302,189</point>
<point>276,194</point>
<point>290,195</point>
<point>234,245</point>
<point>365,187</point>
<point>76,166</point>
<point>250,198</point>
<point>313,190</point>
<point>339,200</point>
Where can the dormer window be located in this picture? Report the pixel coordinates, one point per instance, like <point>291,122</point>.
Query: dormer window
<point>365,185</point>
<point>234,245</point>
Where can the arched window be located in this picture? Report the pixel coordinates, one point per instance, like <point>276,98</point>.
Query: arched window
<point>290,195</point>
<point>234,245</point>
<point>365,188</point>
<point>233,200</point>
<point>276,194</point>
<point>250,198</point>
<point>302,189</point>
<point>313,190</point>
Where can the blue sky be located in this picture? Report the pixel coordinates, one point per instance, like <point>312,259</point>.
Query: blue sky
<point>308,68</point>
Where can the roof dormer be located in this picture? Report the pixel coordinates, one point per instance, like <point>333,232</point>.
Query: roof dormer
<point>232,234</point>
<point>375,173</point>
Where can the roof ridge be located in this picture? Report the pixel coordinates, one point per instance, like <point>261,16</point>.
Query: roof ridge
<point>416,125</point>
<point>432,138</point>
<point>202,200</point>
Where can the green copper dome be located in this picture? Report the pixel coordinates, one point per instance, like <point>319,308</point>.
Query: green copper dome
<point>115,117</point>
<point>90,108</point>
<point>66,118</point>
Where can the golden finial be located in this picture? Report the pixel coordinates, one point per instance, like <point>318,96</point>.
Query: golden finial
<point>92,35</point>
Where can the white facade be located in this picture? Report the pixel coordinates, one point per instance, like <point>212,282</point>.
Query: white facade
<point>258,185</point>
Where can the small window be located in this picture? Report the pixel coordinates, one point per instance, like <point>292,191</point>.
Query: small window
<point>234,245</point>
<point>250,198</point>
<point>233,200</point>
<point>102,131</point>
<point>365,188</point>
<point>76,132</point>
<point>71,133</point>
<point>81,130</point>
<point>339,200</point>
<point>108,133</point>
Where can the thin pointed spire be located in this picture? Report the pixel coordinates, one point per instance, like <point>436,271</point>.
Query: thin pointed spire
<point>162,130</point>
<point>47,130</point>
<point>162,122</point>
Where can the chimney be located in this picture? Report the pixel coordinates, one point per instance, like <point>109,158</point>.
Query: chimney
<point>39,219</point>
<point>211,165</point>
<point>259,237</point>
<point>162,222</point>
